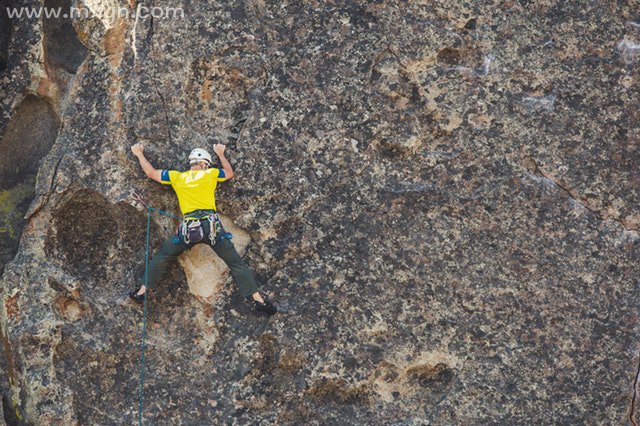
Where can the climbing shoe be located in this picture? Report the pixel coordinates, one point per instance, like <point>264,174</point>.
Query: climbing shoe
<point>138,298</point>
<point>266,307</point>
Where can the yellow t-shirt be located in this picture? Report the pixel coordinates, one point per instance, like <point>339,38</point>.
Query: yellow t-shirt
<point>195,188</point>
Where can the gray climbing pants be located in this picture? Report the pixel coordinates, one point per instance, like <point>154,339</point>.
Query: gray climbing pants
<point>224,248</point>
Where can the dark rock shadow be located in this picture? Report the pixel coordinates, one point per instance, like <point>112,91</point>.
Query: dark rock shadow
<point>28,139</point>
<point>63,50</point>
<point>6,28</point>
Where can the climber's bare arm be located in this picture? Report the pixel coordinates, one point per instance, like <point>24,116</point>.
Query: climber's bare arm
<point>226,166</point>
<point>152,173</point>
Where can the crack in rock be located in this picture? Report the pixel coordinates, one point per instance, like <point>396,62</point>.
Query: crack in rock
<point>572,193</point>
<point>632,412</point>
<point>155,69</point>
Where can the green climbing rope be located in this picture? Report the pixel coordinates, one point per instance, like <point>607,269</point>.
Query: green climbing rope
<point>144,321</point>
<point>162,212</point>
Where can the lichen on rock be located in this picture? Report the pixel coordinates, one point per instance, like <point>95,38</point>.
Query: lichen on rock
<point>441,197</point>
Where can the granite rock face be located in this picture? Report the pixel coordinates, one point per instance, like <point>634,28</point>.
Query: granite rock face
<point>441,197</point>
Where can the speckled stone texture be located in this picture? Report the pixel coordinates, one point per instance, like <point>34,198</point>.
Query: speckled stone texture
<point>442,198</point>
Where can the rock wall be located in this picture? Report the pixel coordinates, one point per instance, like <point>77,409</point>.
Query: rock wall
<point>441,197</point>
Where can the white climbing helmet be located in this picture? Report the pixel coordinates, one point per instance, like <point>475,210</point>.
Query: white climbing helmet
<point>199,154</point>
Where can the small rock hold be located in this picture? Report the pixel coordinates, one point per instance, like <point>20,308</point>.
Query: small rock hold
<point>471,24</point>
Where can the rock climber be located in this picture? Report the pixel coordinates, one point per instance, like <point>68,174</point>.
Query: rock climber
<point>195,190</point>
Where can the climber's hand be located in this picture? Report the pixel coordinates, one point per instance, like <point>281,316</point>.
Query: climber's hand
<point>137,149</point>
<point>219,149</point>
<point>226,166</point>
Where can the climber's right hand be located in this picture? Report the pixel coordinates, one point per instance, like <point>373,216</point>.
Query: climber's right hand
<point>219,149</point>
<point>137,149</point>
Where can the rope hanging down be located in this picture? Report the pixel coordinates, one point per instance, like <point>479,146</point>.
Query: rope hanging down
<point>146,282</point>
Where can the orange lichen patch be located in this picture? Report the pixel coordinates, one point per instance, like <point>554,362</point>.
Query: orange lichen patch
<point>117,109</point>
<point>205,93</point>
<point>8,356</point>
<point>340,390</point>
<point>115,60</point>
<point>69,308</point>
<point>236,76</point>
<point>207,310</point>
<point>429,373</point>
<point>11,307</point>
<point>83,36</point>
<point>291,362</point>
<point>114,89</point>
<point>114,40</point>
<point>399,379</point>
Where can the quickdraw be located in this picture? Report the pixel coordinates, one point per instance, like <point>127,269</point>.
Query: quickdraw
<point>215,228</point>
